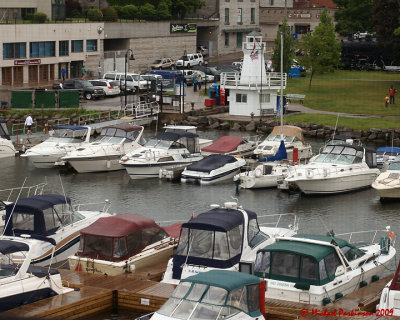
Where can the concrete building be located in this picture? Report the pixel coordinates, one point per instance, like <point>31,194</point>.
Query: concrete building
<point>10,10</point>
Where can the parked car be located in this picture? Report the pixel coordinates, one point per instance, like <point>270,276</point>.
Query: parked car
<point>190,60</point>
<point>210,71</point>
<point>203,50</point>
<point>86,89</point>
<point>110,87</point>
<point>165,63</point>
<point>133,81</point>
<point>188,75</point>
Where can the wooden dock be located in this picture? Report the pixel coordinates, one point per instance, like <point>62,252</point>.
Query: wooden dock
<point>140,292</point>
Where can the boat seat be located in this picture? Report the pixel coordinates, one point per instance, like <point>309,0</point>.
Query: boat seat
<point>41,272</point>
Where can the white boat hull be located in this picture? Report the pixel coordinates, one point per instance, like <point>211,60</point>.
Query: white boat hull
<point>108,163</point>
<point>252,182</point>
<point>387,193</point>
<point>210,179</point>
<point>388,184</point>
<point>45,161</point>
<point>389,303</point>
<point>6,148</point>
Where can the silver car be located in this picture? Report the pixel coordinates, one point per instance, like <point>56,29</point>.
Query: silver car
<point>110,87</point>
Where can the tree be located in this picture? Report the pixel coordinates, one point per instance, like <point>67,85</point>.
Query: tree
<point>129,12</point>
<point>321,46</point>
<point>288,48</point>
<point>109,14</point>
<point>354,16</point>
<point>73,9</point>
<point>163,11</point>
<point>147,11</point>
<point>94,14</point>
<point>180,8</point>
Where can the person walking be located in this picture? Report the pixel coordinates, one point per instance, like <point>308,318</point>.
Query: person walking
<point>194,84</point>
<point>83,72</point>
<point>387,101</point>
<point>63,73</point>
<point>392,92</point>
<point>199,82</point>
<point>99,70</point>
<point>28,124</point>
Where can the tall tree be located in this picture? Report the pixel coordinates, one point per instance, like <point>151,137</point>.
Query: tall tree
<point>321,47</point>
<point>288,48</point>
<point>354,16</point>
<point>180,8</point>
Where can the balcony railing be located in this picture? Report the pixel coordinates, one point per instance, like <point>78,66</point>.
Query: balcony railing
<point>272,80</point>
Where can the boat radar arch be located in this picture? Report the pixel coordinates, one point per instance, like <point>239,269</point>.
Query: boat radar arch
<point>214,206</point>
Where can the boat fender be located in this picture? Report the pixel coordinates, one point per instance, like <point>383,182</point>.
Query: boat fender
<point>309,173</point>
<point>258,172</point>
<point>108,164</point>
<point>147,155</point>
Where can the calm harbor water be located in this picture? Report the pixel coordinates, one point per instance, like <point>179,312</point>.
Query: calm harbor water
<point>162,200</point>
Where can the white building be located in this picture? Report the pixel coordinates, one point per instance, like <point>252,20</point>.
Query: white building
<point>253,91</point>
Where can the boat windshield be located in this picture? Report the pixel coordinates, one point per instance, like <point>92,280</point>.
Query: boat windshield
<point>68,133</point>
<point>109,140</point>
<point>209,244</point>
<point>163,144</point>
<point>277,138</point>
<point>64,140</point>
<point>198,301</point>
<point>394,166</point>
<point>340,155</point>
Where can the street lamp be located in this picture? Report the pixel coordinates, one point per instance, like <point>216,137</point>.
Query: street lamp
<point>128,54</point>
<point>205,78</point>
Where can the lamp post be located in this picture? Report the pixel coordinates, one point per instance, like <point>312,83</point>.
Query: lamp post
<point>205,78</point>
<point>128,54</point>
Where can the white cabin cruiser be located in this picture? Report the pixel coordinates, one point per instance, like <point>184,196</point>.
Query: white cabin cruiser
<point>338,168</point>
<point>386,154</point>
<point>214,295</point>
<point>219,239</point>
<point>388,182</point>
<point>21,283</point>
<point>45,221</point>
<point>293,138</point>
<point>179,128</point>
<point>231,145</point>
<point>212,169</point>
<point>64,139</point>
<point>162,151</point>
<point>104,153</point>
<point>317,269</point>
<point>389,303</point>
<point>6,146</point>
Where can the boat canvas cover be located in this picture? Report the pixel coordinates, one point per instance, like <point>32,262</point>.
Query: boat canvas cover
<point>126,127</point>
<point>125,224</point>
<point>279,155</point>
<point>175,136</point>
<point>289,131</point>
<point>224,145</point>
<point>10,246</point>
<point>73,128</point>
<point>35,206</point>
<point>388,149</point>
<point>211,162</point>
<point>228,280</point>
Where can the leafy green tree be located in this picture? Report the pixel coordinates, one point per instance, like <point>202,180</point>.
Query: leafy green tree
<point>129,12</point>
<point>94,14</point>
<point>180,8</point>
<point>73,9</point>
<point>288,48</point>
<point>109,14</point>
<point>163,11</point>
<point>322,48</point>
<point>354,16</point>
<point>147,11</point>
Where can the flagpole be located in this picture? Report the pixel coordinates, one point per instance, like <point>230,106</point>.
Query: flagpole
<point>281,100</point>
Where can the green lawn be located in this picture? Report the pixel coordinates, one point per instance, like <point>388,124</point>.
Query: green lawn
<point>348,92</point>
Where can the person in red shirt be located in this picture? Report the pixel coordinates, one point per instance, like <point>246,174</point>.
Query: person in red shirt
<point>392,92</point>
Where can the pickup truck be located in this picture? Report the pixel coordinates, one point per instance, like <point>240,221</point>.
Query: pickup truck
<point>86,89</point>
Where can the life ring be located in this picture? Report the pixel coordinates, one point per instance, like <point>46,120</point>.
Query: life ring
<point>147,155</point>
<point>258,172</point>
<point>309,173</point>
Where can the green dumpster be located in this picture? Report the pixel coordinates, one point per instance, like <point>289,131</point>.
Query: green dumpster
<point>21,99</point>
<point>45,99</point>
<point>68,99</point>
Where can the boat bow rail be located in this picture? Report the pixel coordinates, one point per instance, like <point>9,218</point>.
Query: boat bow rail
<point>360,236</point>
<point>279,221</point>
<point>106,205</point>
<point>13,194</point>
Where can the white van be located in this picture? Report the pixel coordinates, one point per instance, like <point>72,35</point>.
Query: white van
<point>134,82</point>
<point>190,60</point>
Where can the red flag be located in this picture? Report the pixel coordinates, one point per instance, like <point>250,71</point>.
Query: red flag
<point>391,235</point>
<point>192,216</point>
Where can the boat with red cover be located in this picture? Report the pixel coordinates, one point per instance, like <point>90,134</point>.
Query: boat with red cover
<point>231,145</point>
<point>121,243</point>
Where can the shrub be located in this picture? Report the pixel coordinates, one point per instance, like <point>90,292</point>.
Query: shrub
<point>147,11</point>
<point>109,14</point>
<point>94,14</point>
<point>39,17</point>
<point>130,12</point>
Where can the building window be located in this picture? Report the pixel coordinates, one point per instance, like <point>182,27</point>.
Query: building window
<point>240,97</point>
<point>63,48</point>
<point>14,50</point>
<point>253,15</point>
<point>91,45</point>
<point>226,15</point>
<point>76,45</point>
<point>239,39</point>
<point>271,2</point>
<point>226,39</point>
<point>265,98</point>
<point>239,18</point>
<point>301,29</point>
<point>42,49</point>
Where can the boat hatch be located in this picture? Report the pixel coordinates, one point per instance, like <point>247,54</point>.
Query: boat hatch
<point>305,263</point>
<point>215,294</point>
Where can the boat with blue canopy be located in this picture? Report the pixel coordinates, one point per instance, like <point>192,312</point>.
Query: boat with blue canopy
<point>386,154</point>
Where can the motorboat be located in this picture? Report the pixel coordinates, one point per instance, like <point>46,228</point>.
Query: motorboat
<point>386,154</point>
<point>64,139</point>
<point>389,301</point>
<point>319,269</point>
<point>104,153</point>
<point>23,283</point>
<point>231,145</point>
<point>388,182</point>
<point>163,151</point>
<point>179,128</point>
<point>47,221</point>
<point>293,138</point>
<point>212,169</point>
<point>220,238</point>
<point>216,294</point>
<point>266,174</point>
<point>337,169</point>
<point>6,146</point>
<point>122,243</point>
